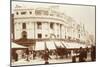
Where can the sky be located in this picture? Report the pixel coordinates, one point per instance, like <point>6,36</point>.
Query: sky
<point>81,14</point>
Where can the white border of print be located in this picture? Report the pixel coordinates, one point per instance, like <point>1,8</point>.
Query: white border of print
<point>5,32</point>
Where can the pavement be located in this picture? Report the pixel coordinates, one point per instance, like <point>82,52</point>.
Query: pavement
<point>41,61</point>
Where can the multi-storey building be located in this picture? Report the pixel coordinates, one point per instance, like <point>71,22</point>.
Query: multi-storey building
<point>39,23</point>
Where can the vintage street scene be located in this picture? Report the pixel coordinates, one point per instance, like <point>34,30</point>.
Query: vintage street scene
<point>50,33</point>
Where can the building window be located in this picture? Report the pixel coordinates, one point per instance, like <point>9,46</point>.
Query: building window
<point>39,35</point>
<point>69,38</point>
<point>60,26</point>
<point>78,30</point>
<point>30,12</point>
<point>24,34</point>
<point>51,14</point>
<point>38,12</point>
<point>23,13</point>
<point>51,25</point>
<point>24,25</point>
<point>65,37</point>
<point>79,35</point>
<point>45,12</point>
<point>17,13</point>
<point>46,35</point>
<point>57,35</point>
<point>39,25</point>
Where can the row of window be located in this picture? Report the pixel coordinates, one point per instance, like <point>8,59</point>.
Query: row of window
<point>37,12</point>
<point>39,25</point>
<point>24,35</point>
<point>38,35</point>
<point>22,13</point>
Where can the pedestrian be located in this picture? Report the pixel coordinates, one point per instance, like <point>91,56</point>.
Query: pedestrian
<point>81,55</point>
<point>25,56</point>
<point>15,56</point>
<point>93,53</point>
<point>30,56</point>
<point>85,53</point>
<point>66,53</point>
<point>56,54</point>
<point>34,54</point>
<point>73,58</point>
<point>46,57</point>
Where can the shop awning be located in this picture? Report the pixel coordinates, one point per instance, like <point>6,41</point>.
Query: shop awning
<point>65,44</point>
<point>40,45</point>
<point>59,44</point>
<point>73,45</point>
<point>50,45</point>
<point>14,45</point>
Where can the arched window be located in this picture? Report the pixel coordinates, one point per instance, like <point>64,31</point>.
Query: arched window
<point>46,35</point>
<point>69,38</point>
<point>65,37</point>
<point>17,13</point>
<point>24,25</point>
<point>39,35</point>
<point>51,25</point>
<point>30,12</point>
<point>79,35</point>
<point>24,34</point>
<point>39,25</point>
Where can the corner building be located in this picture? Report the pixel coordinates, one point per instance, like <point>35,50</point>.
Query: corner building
<point>38,23</point>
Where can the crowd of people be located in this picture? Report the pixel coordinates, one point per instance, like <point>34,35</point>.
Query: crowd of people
<point>59,53</point>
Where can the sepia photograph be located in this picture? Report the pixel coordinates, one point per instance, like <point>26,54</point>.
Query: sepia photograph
<point>52,33</point>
